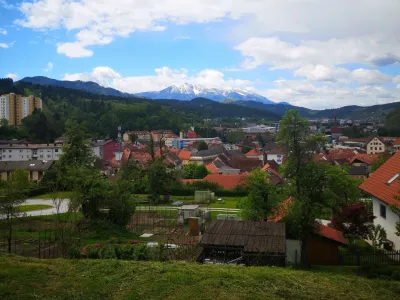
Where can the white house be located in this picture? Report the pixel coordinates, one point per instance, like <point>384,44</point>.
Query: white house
<point>25,152</point>
<point>378,145</point>
<point>384,187</point>
<point>277,154</point>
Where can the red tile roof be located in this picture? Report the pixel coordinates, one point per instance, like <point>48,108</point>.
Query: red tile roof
<point>365,158</point>
<point>330,233</point>
<point>227,181</point>
<point>378,184</point>
<point>184,155</point>
<point>252,152</point>
<point>267,167</point>
<point>281,211</point>
<point>212,168</point>
<point>396,142</point>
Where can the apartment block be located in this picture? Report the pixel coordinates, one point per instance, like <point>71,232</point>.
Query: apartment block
<point>14,107</point>
<point>26,152</point>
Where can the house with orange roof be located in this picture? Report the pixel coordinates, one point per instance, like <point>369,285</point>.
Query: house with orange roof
<point>384,187</point>
<point>379,145</point>
<point>323,243</point>
<point>396,144</point>
<point>364,159</point>
<point>184,156</point>
<point>255,154</point>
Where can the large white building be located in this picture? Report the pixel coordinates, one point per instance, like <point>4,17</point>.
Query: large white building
<point>260,129</point>
<point>384,187</point>
<point>24,152</point>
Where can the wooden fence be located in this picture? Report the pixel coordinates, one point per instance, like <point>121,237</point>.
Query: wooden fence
<point>381,256</point>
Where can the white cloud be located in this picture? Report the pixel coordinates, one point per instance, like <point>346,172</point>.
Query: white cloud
<point>109,19</point>
<point>3,31</point>
<point>307,94</point>
<point>6,46</point>
<point>323,73</point>
<point>13,76</point>
<point>162,78</point>
<point>343,76</point>
<point>49,67</point>
<point>73,50</point>
<point>370,77</point>
<point>279,54</point>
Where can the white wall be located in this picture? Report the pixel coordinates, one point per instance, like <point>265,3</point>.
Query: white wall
<point>293,247</point>
<point>4,108</point>
<point>25,154</point>
<point>389,223</point>
<point>277,157</point>
<point>97,152</point>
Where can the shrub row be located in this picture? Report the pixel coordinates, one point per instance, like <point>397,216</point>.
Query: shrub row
<point>125,252</point>
<point>376,270</point>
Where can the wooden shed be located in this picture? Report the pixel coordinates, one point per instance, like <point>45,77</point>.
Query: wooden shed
<point>247,242</point>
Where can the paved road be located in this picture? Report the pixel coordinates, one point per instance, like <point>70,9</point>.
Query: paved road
<point>44,212</point>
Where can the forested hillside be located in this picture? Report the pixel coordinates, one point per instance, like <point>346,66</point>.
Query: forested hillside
<point>103,114</point>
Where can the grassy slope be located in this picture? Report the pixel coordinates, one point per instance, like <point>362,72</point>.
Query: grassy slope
<point>24,278</point>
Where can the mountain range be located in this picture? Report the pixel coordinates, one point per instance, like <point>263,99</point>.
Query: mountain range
<point>183,92</point>
<point>188,91</point>
<point>197,98</point>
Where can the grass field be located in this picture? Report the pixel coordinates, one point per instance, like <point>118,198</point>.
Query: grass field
<point>56,194</point>
<point>32,207</point>
<point>26,278</point>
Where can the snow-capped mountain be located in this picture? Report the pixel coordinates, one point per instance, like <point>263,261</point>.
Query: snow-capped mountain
<point>188,91</point>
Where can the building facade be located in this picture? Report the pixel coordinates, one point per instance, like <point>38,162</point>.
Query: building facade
<point>14,107</point>
<point>26,152</point>
<point>377,145</point>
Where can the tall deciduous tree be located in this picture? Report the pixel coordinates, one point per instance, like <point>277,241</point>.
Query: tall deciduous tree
<point>261,199</point>
<point>194,171</point>
<point>13,195</point>
<point>308,179</point>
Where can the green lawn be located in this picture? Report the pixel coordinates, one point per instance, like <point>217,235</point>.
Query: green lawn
<point>56,194</point>
<point>32,207</point>
<point>27,278</point>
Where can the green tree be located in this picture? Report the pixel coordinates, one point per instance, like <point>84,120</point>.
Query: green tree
<point>13,195</point>
<point>340,188</point>
<point>262,198</point>
<point>121,204</point>
<point>194,171</point>
<point>246,149</point>
<point>379,162</point>
<point>202,146</point>
<point>235,137</point>
<point>308,179</point>
<point>160,180</point>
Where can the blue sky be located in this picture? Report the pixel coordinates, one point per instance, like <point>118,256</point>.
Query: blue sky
<point>310,53</point>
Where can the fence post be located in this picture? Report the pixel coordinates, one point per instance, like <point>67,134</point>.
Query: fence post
<point>39,244</point>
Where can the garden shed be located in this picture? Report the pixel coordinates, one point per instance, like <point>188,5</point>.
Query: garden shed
<point>246,242</point>
<point>185,212</point>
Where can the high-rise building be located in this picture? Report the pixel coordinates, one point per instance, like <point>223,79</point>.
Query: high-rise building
<point>14,107</point>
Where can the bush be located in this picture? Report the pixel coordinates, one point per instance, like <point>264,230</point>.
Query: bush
<point>141,252</point>
<point>127,252</point>
<point>375,270</point>
<point>74,252</point>
<point>108,252</point>
<point>93,253</point>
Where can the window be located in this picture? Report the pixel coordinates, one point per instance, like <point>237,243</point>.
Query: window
<point>9,156</point>
<point>383,211</point>
<point>21,150</point>
<point>55,150</point>
<point>41,156</point>
<point>48,156</point>
<point>376,148</point>
<point>9,150</point>
<point>380,148</point>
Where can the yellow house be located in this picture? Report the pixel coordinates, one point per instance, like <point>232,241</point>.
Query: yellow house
<point>36,168</point>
